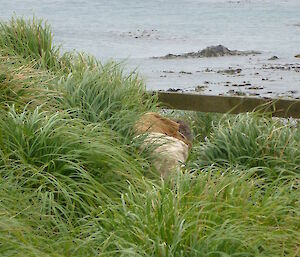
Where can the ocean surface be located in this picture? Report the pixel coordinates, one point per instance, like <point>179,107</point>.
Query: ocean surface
<point>133,31</point>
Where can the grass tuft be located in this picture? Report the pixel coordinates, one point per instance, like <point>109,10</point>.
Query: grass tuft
<point>30,39</point>
<point>248,141</point>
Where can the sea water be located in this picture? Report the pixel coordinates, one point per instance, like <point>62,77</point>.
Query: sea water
<point>136,30</point>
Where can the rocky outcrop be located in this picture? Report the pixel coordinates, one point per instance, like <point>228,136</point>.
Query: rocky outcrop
<point>273,58</point>
<point>211,51</point>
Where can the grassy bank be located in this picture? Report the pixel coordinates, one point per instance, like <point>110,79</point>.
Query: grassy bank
<point>74,183</point>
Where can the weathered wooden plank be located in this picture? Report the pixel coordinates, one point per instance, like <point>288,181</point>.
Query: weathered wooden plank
<point>229,104</point>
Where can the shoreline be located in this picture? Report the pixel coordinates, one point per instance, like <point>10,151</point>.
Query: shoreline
<point>260,75</point>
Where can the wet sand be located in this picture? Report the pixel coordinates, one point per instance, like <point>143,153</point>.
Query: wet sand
<point>258,75</point>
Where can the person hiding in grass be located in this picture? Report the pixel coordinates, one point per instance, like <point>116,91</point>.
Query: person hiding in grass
<point>172,140</point>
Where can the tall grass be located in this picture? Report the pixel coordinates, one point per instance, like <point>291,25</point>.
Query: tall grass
<point>250,140</point>
<point>207,215</point>
<point>30,39</point>
<point>73,181</point>
<point>102,93</point>
<point>21,84</point>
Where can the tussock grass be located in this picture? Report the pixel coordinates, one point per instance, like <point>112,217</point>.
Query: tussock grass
<point>74,183</point>
<point>251,140</point>
<point>21,84</point>
<point>30,39</point>
<point>102,93</point>
<point>209,215</point>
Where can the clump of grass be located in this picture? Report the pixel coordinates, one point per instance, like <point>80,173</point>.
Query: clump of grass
<point>31,39</point>
<point>102,93</point>
<point>38,154</point>
<point>251,140</point>
<point>56,172</point>
<point>52,152</point>
<point>213,214</point>
<point>21,84</point>
<point>201,123</point>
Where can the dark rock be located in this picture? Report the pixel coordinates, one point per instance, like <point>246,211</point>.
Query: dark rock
<point>230,71</point>
<point>168,56</point>
<point>255,88</point>
<point>214,51</point>
<point>238,93</point>
<point>285,67</point>
<point>185,72</point>
<point>292,91</point>
<point>219,50</point>
<point>273,58</point>
<point>238,85</point>
<point>200,88</point>
<point>211,51</point>
<point>173,89</point>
